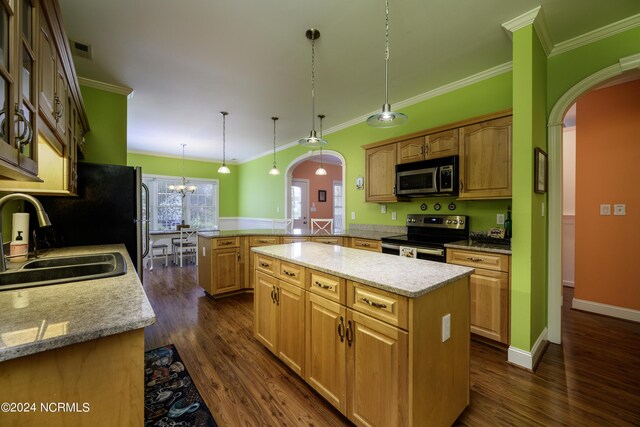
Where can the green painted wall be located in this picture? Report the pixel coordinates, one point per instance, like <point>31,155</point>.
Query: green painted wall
<point>260,195</point>
<point>569,68</point>
<point>106,143</point>
<point>528,280</point>
<point>158,165</point>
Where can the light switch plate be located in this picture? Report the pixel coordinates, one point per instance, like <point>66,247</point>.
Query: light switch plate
<point>353,215</point>
<point>619,209</point>
<point>500,219</point>
<point>446,327</point>
<point>605,209</point>
<point>383,208</point>
<point>394,216</point>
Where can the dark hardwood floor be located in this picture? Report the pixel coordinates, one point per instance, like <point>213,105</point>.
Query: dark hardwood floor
<point>592,379</point>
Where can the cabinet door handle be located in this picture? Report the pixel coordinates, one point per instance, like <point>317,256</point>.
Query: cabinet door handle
<point>422,150</point>
<point>288,273</point>
<point>461,185</point>
<point>25,137</point>
<point>427,147</point>
<point>264,264</point>
<point>475,259</point>
<point>238,256</point>
<point>321,285</point>
<point>341,329</point>
<point>273,297</point>
<point>277,295</point>
<point>349,333</point>
<point>373,303</point>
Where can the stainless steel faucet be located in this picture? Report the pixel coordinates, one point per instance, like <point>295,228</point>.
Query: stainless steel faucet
<point>43,218</point>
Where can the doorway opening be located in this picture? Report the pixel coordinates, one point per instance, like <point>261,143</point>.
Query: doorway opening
<point>309,196</point>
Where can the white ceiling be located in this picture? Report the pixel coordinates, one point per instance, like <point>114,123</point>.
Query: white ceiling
<point>189,60</point>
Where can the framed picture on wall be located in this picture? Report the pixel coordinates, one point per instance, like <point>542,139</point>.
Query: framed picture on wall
<point>540,171</point>
<point>322,195</point>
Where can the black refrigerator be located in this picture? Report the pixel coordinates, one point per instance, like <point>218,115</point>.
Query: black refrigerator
<point>107,210</point>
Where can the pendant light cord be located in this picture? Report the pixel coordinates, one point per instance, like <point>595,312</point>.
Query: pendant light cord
<point>224,132</point>
<point>321,116</point>
<point>274,140</point>
<point>386,53</point>
<point>313,84</point>
<point>183,180</point>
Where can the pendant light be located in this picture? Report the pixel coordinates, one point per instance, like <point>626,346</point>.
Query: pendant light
<point>312,140</point>
<point>182,188</point>
<point>386,118</point>
<point>274,170</point>
<point>224,169</point>
<point>321,170</point>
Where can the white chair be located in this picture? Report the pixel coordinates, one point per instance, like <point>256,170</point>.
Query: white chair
<point>185,246</point>
<point>163,247</point>
<point>324,225</point>
<point>287,224</point>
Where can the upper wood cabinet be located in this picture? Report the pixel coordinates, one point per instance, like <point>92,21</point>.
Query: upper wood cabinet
<point>18,104</point>
<point>441,144</point>
<point>380,173</point>
<point>411,150</point>
<point>485,160</point>
<point>48,121</point>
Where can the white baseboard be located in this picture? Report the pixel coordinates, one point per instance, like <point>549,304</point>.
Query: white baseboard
<point>247,223</point>
<point>569,283</point>
<point>528,359</point>
<point>606,309</point>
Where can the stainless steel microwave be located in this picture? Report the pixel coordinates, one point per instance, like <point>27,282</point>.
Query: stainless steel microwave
<point>437,177</point>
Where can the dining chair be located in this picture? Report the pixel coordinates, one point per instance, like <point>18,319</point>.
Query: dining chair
<point>321,224</point>
<point>185,246</point>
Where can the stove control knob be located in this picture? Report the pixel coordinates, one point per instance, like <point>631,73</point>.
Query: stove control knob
<point>461,222</point>
<point>455,221</point>
<point>413,220</point>
<point>448,221</point>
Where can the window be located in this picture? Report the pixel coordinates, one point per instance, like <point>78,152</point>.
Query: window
<point>338,221</point>
<point>167,209</point>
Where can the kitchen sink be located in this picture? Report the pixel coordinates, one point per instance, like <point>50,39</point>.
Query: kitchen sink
<point>51,271</point>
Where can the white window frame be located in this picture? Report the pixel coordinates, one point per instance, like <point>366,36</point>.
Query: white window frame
<point>338,213</point>
<point>153,197</point>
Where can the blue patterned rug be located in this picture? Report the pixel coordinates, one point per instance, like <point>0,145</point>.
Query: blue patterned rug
<point>170,397</point>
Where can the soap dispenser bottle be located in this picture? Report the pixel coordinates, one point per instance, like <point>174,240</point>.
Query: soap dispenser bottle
<point>18,250</point>
<point>507,224</point>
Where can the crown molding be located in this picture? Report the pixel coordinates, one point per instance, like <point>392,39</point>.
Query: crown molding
<point>537,18</point>
<point>121,90</point>
<point>595,35</point>
<point>179,157</point>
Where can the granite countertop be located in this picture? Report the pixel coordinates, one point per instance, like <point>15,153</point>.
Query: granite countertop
<point>362,234</point>
<point>48,317</point>
<point>400,275</point>
<point>477,246</point>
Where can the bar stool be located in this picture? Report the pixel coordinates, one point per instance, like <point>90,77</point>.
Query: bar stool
<point>163,247</point>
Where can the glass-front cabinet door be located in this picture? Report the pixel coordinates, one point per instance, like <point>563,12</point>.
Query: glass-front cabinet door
<point>8,149</point>
<point>26,106</point>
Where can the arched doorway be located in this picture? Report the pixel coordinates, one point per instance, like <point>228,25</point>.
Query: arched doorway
<point>629,64</point>
<point>330,159</point>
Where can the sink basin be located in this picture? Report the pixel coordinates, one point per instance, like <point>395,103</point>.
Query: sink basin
<point>51,271</point>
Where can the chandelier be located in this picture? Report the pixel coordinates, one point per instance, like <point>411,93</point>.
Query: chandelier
<point>182,188</point>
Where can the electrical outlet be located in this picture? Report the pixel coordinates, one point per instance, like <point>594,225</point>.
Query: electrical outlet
<point>500,219</point>
<point>353,215</point>
<point>277,209</point>
<point>446,327</point>
<point>605,209</point>
<point>619,209</point>
<point>394,216</point>
<point>383,208</point>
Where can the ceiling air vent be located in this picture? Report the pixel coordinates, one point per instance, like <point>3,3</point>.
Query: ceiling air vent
<point>80,49</point>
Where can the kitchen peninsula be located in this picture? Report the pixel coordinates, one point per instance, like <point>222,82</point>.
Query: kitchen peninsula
<point>384,339</point>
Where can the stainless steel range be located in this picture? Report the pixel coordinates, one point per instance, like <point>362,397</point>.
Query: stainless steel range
<point>427,235</point>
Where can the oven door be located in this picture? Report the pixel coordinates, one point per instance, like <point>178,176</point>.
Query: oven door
<point>430,254</point>
<point>416,182</point>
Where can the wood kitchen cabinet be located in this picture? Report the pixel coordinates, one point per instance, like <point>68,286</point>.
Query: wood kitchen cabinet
<point>411,150</point>
<point>485,160</point>
<point>219,265</point>
<point>441,144</point>
<point>280,308</point>
<point>289,239</point>
<point>366,244</point>
<point>329,240</point>
<point>255,241</point>
<point>489,292</point>
<point>380,174</point>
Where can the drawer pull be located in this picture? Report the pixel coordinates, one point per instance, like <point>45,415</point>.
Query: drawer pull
<point>470,258</point>
<point>265,264</point>
<point>373,303</point>
<point>288,273</point>
<point>322,285</point>
<point>263,241</point>
<point>225,243</point>
<point>366,245</point>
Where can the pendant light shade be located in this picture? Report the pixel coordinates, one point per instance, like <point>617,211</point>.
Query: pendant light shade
<point>274,170</point>
<point>386,118</point>
<point>321,170</point>
<point>182,188</point>
<point>224,169</point>
<point>312,140</point>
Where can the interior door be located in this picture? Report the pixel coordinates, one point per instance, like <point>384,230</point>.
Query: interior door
<point>300,203</point>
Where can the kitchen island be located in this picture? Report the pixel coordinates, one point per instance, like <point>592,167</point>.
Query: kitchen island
<point>78,344</point>
<point>384,339</point>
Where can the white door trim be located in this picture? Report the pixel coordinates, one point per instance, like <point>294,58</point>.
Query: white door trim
<point>554,260</point>
<point>305,209</point>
